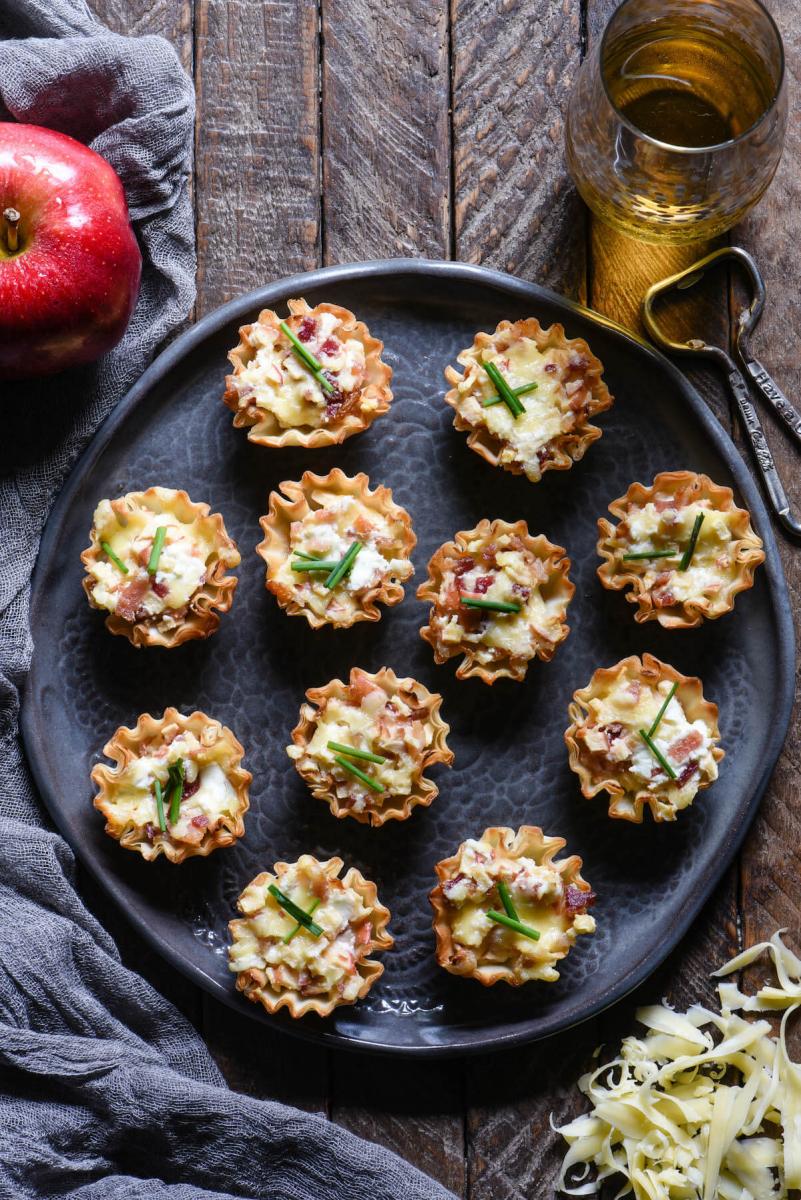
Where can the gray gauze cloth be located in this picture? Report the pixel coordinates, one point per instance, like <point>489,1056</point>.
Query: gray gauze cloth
<point>105,1090</point>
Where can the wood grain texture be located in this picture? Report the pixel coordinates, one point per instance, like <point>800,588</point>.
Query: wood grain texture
<point>514,207</point>
<point>257,169</point>
<point>386,144</point>
<point>171,19</point>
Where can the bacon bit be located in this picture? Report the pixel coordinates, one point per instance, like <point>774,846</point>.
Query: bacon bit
<point>130,598</point>
<point>664,599</point>
<point>613,731</point>
<point>160,588</point>
<point>463,566</point>
<point>330,347</point>
<point>339,403</point>
<point>200,821</point>
<point>684,746</point>
<point>687,774</point>
<point>150,832</point>
<point>544,455</point>
<point>362,527</point>
<point>307,330</point>
<point>483,583</point>
<point>191,788</point>
<point>551,368</point>
<point>577,900</point>
<point>519,590</point>
<point>450,884</point>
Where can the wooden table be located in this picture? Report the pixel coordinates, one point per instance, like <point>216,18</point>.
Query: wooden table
<point>334,130</point>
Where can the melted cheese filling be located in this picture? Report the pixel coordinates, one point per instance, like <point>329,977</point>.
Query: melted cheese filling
<point>276,381</point>
<point>328,532</point>
<point>612,731</point>
<point>380,726</point>
<point>515,581</point>
<point>713,565</point>
<point>537,892</point>
<point>547,409</point>
<point>134,799</point>
<point>306,964</point>
<point>181,565</point>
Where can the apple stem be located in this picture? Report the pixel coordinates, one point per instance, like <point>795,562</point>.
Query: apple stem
<point>12,219</point>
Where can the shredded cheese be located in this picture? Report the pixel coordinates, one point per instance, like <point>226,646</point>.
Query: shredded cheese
<point>704,1105</point>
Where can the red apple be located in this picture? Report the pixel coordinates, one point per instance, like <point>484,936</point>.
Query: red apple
<point>69,262</point>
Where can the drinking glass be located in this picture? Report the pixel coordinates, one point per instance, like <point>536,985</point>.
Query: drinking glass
<point>676,123</point>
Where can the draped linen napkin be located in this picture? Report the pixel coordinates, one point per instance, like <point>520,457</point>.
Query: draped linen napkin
<point>105,1090</point>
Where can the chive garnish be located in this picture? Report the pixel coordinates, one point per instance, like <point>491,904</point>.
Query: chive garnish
<point>343,566</point>
<point>506,901</point>
<point>493,605</point>
<point>511,923</point>
<point>118,563</point>
<point>289,936</point>
<point>314,564</point>
<point>518,391</point>
<point>307,358</point>
<point>658,755</point>
<point>160,806</point>
<point>504,390</point>
<point>651,554</point>
<point>308,557</point>
<point>295,911</point>
<point>155,550</point>
<point>663,709</point>
<point>687,557</point>
<point>176,780</point>
<point>354,770</point>
<point>352,752</point>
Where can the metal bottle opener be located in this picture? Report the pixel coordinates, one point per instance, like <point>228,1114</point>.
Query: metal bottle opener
<point>746,369</point>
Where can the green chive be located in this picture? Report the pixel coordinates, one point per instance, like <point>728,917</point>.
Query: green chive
<point>687,557</point>
<point>504,391</point>
<point>519,391</point>
<point>160,806</point>
<point>289,936</point>
<point>155,551</point>
<point>308,557</point>
<point>314,564</point>
<point>118,563</point>
<point>307,358</point>
<point>343,566</point>
<point>354,770</point>
<point>662,710</point>
<point>506,901</point>
<point>295,911</point>
<point>658,755</point>
<point>176,779</point>
<point>352,752</point>
<point>493,605</point>
<point>651,554</point>
<point>511,923</point>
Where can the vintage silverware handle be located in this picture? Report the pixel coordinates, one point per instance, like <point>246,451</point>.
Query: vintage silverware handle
<point>775,397</point>
<point>762,455</point>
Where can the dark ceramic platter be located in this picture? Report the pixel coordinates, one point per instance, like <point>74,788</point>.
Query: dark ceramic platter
<point>511,765</point>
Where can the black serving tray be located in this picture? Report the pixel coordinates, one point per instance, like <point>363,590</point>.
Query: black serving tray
<point>511,763</point>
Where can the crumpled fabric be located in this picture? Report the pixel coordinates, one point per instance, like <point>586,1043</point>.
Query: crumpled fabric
<point>105,1089</point>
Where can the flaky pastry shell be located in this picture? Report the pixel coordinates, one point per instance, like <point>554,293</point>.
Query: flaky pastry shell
<point>298,501</point>
<point>214,596</point>
<point>588,396</point>
<point>414,695</point>
<point>528,842</point>
<point>373,399</point>
<point>625,804</point>
<point>253,982</point>
<point>684,488</point>
<point>150,732</point>
<point>556,566</point>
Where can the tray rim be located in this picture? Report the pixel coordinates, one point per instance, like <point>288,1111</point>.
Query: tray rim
<point>244,305</point>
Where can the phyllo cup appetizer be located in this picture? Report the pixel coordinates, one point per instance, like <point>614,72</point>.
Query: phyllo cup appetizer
<point>682,546</point>
<point>363,746</point>
<point>526,396</point>
<point>499,598</point>
<point>177,786</point>
<point>312,379</point>
<point>157,565</point>
<point>334,549</point>
<point>504,911</point>
<point>305,935</point>
<point>644,733</point>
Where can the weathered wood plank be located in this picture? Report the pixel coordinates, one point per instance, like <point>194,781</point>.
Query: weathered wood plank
<point>171,19</point>
<point>386,152</point>
<point>514,207</point>
<point>257,148</point>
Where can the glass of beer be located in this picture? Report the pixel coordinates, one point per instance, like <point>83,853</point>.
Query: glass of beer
<point>676,123</point>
